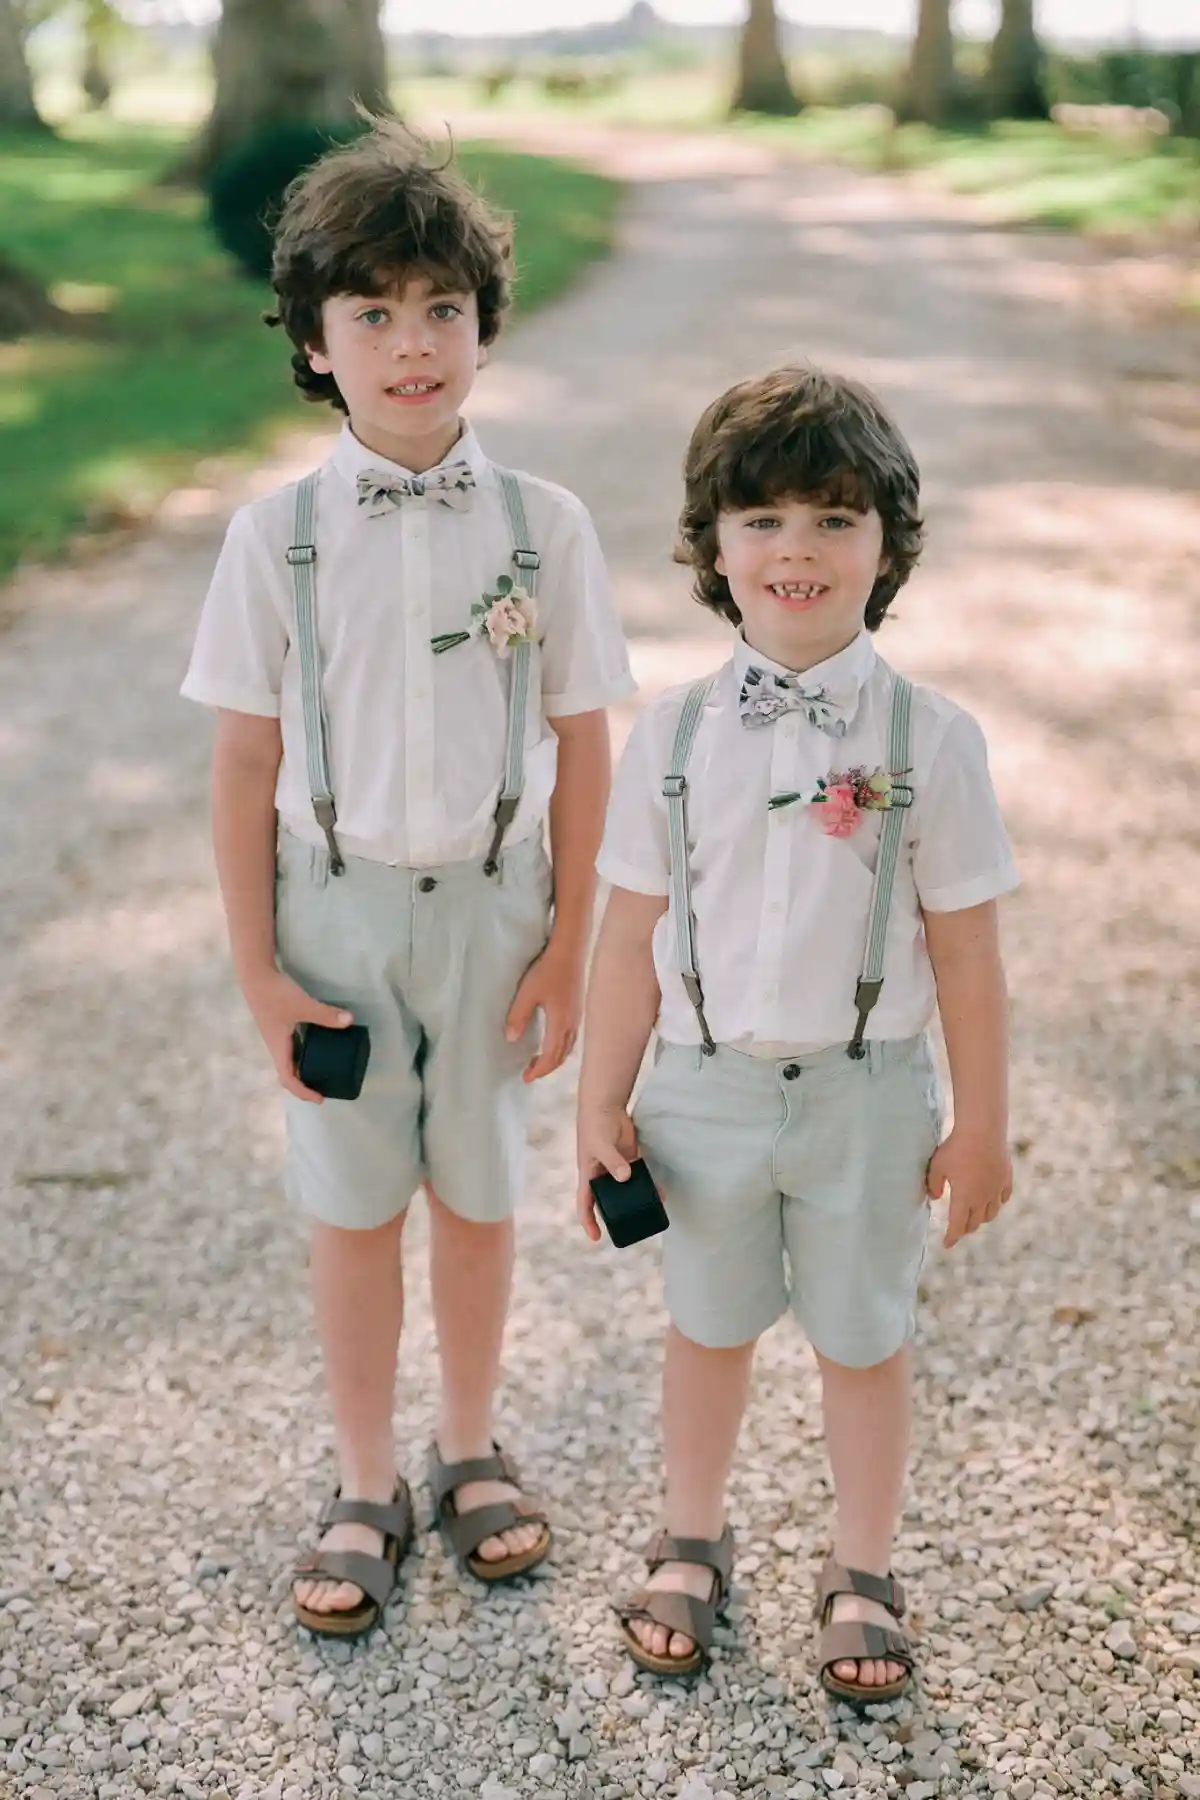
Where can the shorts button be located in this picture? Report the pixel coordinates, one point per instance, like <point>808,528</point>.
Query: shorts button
<point>790,1071</point>
<point>427,884</point>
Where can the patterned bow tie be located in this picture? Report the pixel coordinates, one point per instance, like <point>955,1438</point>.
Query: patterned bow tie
<point>452,484</point>
<point>766,696</point>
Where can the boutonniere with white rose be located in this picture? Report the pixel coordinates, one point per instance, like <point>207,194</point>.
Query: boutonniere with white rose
<point>506,618</point>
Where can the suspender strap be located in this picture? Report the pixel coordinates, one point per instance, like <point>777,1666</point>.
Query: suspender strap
<point>870,983</point>
<point>302,557</point>
<point>675,791</point>
<point>527,562</point>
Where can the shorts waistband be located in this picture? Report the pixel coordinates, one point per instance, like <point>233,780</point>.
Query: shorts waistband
<point>881,1053</point>
<point>301,857</point>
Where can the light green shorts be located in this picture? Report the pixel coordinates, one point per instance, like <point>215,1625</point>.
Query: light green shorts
<point>816,1157</point>
<point>429,961</point>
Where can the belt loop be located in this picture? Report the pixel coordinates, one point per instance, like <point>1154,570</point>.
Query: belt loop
<point>875,1055</point>
<point>318,865</point>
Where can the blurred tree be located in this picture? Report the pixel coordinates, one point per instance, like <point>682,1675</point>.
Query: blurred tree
<point>17,104</point>
<point>930,89</point>
<point>763,85</point>
<point>1014,85</point>
<point>289,62</point>
<point>101,26</point>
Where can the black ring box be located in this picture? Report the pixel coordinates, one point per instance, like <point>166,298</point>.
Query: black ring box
<point>332,1060</point>
<point>631,1210</point>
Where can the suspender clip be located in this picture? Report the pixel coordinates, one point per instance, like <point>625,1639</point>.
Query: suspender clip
<point>865,996</point>
<point>695,993</point>
<point>674,787</point>
<point>506,812</point>
<point>527,559</point>
<point>326,815</point>
<point>302,553</point>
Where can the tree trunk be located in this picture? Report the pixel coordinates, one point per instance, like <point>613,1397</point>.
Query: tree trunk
<point>1014,76</point>
<point>17,104</point>
<point>763,84</point>
<point>287,61</point>
<point>95,75</point>
<point>929,94</point>
<point>25,306</point>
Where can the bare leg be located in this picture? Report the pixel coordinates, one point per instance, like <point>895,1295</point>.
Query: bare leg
<point>867,1419</point>
<point>704,1397</point>
<point>471,1280</point>
<point>358,1299</point>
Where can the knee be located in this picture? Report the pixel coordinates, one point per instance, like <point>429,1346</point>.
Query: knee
<point>861,1373</point>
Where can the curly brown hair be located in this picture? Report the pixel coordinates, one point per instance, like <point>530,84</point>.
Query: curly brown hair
<point>799,433</point>
<point>366,218</point>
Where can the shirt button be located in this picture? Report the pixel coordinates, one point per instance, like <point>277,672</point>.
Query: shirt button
<point>790,1071</point>
<point>427,884</point>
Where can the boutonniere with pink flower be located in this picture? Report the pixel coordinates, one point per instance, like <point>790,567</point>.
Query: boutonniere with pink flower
<point>844,795</point>
<point>506,618</point>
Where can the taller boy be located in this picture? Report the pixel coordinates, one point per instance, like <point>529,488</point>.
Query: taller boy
<point>411,653</point>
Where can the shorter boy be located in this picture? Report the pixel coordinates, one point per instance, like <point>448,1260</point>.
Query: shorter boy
<point>805,854</point>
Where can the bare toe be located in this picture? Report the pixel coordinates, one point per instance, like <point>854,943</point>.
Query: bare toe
<point>681,1646</point>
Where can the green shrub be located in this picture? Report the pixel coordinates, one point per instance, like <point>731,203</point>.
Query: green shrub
<point>245,190</point>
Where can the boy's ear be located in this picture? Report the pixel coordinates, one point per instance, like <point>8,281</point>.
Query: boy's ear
<point>481,356</point>
<point>719,563</point>
<point>318,362</point>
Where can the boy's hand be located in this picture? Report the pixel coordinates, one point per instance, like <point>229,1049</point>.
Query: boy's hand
<point>979,1171</point>
<point>607,1141</point>
<point>555,984</point>
<point>278,1004</point>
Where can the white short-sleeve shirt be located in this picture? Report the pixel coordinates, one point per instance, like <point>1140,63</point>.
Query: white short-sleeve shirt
<point>416,741</point>
<point>781,908</point>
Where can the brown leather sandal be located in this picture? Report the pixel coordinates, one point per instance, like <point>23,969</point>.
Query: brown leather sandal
<point>679,1612</point>
<point>462,1533</point>
<point>375,1575</point>
<point>850,1640</point>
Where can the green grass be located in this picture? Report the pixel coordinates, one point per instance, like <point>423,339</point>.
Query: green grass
<point>1031,174</point>
<point>172,364</point>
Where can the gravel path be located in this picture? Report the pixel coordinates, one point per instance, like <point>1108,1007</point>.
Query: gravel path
<point>163,1433</point>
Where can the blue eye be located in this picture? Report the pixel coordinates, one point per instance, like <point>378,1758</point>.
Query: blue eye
<point>841,523</point>
<point>372,315</point>
<point>767,519</point>
<point>446,309</point>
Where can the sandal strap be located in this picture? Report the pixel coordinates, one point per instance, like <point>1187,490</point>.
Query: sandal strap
<point>466,1531</point>
<point>676,1612</point>
<point>392,1517</point>
<point>375,1575</point>
<point>444,1477</point>
<point>715,1554</point>
<point>837,1579</point>
<point>852,1640</point>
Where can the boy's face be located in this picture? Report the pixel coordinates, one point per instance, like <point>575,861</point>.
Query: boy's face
<point>404,363</point>
<point>800,572</point>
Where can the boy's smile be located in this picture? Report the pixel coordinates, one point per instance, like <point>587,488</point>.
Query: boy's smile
<point>404,362</point>
<point>800,572</point>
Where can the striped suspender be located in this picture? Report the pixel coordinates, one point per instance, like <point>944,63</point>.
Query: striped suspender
<point>527,562</point>
<point>302,557</point>
<point>675,790</point>
<point>870,983</point>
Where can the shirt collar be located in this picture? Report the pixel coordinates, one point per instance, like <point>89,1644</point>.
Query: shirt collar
<point>350,457</point>
<point>850,668</point>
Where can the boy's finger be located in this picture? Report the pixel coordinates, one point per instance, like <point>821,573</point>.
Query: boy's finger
<point>294,1085</point>
<point>317,1013</point>
<point>520,1014</point>
<point>610,1157</point>
<point>585,1207</point>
